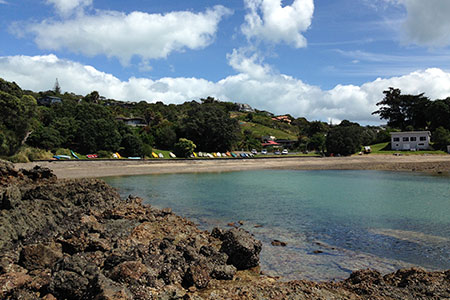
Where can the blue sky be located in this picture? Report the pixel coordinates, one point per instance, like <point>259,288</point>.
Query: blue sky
<point>325,60</point>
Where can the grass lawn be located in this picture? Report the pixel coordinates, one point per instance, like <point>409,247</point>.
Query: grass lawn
<point>261,130</point>
<point>378,149</point>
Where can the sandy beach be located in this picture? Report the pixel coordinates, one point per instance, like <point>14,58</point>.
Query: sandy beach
<point>437,164</point>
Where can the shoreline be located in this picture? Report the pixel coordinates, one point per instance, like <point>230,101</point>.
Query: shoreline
<point>431,164</point>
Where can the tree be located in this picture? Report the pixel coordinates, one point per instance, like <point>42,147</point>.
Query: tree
<point>17,116</point>
<point>403,110</point>
<point>165,136</point>
<point>441,138</point>
<point>317,142</point>
<point>210,128</point>
<point>344,140</point>
<point>438,114</point>
<point>57,88</point>
<point>93,97</point>
<point>184,147</point>
<point>132,146</point>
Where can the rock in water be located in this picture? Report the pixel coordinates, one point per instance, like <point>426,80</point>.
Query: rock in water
<point>242,248</point>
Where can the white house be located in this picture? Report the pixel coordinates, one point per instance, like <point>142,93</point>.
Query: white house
<point>410,140</point>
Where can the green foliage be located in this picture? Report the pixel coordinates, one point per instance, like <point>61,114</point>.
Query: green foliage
<point>403,110</point>
<point>104,154</point>
<point>184,147</point>
<point>317,142</point>
<point>45,138</point>
<point>147,150</point>
<point>438,114</point>
<point>210,128</point>
<point>344,140</point>
<point>16,118</point>
<point>441,138</point>
<point>131,146</point>
<point>250,141</point>
<point>165,136</point>
<point>27,154</point>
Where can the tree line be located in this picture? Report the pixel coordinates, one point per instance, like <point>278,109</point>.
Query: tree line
<point>90,124</point>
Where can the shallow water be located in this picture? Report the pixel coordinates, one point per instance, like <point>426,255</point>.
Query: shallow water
<point>333,221</point>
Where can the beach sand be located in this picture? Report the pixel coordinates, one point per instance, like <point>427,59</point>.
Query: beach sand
<point>437,164</point>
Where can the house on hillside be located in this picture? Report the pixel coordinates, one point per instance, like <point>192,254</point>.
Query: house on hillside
<point>244,107</point>
<point>135,122</point>
<point>286,143</point>
<point>410,140</point>
<point>49,100</point>
<point>285,119</point>
<point>267,138</point>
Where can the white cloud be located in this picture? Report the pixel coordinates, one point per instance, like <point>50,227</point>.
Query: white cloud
<point>67,7</point>
<point>3,2</point>
<point>269,21</point>
<point>274,92</point>
<point>427,22</point>
<point>123,36</point>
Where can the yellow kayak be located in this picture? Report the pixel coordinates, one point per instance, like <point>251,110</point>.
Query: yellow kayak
<point>195,154</point>
<point>154,155</point>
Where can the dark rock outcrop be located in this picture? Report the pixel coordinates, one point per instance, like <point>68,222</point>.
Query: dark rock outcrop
<point>241,247</point>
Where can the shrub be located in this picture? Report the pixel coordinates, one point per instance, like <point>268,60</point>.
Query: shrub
<point>184,147</point>
<point>104,154</point>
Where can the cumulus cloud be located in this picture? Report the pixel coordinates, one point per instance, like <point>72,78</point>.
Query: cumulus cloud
<point>67,7</point>
<point>274,92</point>
<point>427,22</point>
<point>269,21</point>
<point>120,35</point>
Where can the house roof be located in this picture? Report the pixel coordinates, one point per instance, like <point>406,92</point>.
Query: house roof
<point>411,132</point>
<point>270,143</point>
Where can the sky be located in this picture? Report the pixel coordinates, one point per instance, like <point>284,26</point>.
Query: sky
<point>325,60</point>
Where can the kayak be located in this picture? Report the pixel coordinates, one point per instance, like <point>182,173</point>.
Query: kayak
<point>74,155</point>
<point>154,155</point>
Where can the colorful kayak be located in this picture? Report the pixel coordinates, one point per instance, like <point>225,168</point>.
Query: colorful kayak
<point>74,155</point>
<point>154,155</point>
<point>118,155</point>
<point>58,157</point>
<point>134,157</point>
<point>228,154</point>
<point>172,155</point>
<point>195,155</point>
<point>92,156</point>
<point>233,155</point>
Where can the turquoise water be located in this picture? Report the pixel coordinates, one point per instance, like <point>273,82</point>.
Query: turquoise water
<point>333,221</point>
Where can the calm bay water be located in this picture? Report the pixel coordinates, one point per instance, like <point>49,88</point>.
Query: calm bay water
<point>333,221</point>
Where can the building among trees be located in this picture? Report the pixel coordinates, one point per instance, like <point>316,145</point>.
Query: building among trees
<point>410,140</point>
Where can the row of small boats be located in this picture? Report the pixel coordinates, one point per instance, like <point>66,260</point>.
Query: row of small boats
<point>161,155</point>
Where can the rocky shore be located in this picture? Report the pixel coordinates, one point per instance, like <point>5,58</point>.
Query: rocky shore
<point>77,239</point>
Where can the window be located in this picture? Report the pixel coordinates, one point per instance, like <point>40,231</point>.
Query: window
<point>423,138</point>
<point>406,139</point>
<point>396,139</point>
<point>413,139</point>
<point>421,144</point>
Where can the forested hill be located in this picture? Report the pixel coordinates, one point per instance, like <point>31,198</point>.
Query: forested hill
<point>57,122</point>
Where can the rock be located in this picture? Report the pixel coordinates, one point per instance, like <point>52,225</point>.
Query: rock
<point>231,224</point>
<point>69,285</point>
<point>223,272</point>
<point>217,233</point>
<point>106,289</point>
<point>367,275</point>
<point>317,251</point>
<point>40,256</point>
<point>197,275</point>
<point>278,243</point>
<point>242,248</point>
<point>10,197</point>
<point>12,281</point>
<point>39,173</point>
